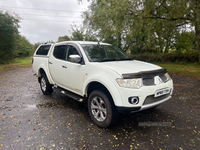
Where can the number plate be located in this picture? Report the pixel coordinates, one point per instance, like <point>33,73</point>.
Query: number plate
<point>162,92</point>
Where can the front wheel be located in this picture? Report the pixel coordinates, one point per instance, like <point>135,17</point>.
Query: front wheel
<point>101,109</point>
<point>46,87</point>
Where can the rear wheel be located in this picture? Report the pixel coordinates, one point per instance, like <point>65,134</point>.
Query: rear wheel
<point>101,109</point>
<point>46,87</point>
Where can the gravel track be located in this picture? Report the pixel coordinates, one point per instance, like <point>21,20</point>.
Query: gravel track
<point>31,120</point>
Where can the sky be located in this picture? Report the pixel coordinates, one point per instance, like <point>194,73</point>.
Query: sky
<point>44,20</point>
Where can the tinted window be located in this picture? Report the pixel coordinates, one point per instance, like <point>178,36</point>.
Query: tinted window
<point>100,53</point>
<point>43,50</point>
<point>60,52</point>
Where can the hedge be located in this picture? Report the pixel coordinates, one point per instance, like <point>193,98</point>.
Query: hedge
<point>191,57</point>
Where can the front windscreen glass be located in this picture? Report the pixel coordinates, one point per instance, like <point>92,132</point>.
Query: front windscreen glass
<point>102,53</point>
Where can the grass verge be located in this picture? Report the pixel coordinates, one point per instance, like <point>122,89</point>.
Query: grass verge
<point>21,62</point>
<point>192,69</point>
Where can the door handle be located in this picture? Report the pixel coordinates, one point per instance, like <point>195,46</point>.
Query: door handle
<point>64,66</point>
<point>50,63</point>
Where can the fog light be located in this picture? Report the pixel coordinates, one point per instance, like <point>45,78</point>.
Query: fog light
<point>133,100</point>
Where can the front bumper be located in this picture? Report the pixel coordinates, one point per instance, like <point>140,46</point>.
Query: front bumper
<point>147,95</point>
<point>143,107</point>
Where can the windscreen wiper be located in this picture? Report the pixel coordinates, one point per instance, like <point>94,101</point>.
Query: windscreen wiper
<point>104,60</point>
<point>114,59</point>
<point>124,59</point>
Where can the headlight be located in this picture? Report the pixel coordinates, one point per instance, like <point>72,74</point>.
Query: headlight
<point>130,83</point>
<point>167,75</point>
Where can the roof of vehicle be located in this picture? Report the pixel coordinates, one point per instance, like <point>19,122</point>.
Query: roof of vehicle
<point>83,42</point>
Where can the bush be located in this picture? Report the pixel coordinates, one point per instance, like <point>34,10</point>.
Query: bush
<point>190,57</point>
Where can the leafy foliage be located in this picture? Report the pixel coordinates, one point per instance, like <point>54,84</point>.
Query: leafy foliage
<point>147,25</point>
<point>8,28</point>
<point>12,43</point>
<point>35,46</point>
<point>189,57</point>
<point>79,34</point>
<point>185,42</point>
<point>23,48</point>
<point>64,38</point>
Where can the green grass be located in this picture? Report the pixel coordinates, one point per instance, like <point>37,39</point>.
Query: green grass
<point>21,62</point>
<point>192,69</point>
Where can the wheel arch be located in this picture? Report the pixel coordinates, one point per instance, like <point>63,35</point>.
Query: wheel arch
<point>108,87</point>
<point>96,86</point>
<point>41,71</point>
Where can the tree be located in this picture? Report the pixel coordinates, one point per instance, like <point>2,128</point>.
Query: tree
<point>115,22</point>
<point>142,24</point>
<point>8,29</point>
<point>90,36</point>
<point>35,46</point>
<point>64,38</point>
<point>179,13</point>
<point>23,48</point>
<point>80,34</point>
<point>77,34</point>
<point>110,27</point>
<point>185,41</point>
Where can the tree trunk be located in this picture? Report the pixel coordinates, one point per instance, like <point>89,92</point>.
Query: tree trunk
<point>198,40</point>
<point>197,23</point>
<point>161,49</point>
<point>197,30</point>
<point>161,46</point>
<point>119,39</point>
<point>167,46</point>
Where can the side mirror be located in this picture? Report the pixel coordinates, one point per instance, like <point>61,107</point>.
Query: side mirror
<point>75,58</point>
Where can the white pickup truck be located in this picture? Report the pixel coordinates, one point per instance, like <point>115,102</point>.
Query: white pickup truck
<point>103,77</point>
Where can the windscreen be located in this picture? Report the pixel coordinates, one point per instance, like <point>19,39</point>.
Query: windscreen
<point>101,53</point>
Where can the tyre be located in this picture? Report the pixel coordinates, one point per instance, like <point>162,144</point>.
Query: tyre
<point>101,109</point>
<point>46,87</point>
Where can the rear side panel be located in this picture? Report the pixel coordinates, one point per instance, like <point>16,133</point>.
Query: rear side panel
<point>41,60</point>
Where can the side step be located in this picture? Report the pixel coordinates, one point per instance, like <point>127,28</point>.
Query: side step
<point>68,94</point>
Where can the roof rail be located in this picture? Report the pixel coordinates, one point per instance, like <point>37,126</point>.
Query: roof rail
<point>49,42</point>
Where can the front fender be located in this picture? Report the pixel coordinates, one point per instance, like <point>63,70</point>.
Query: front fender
<point>111,87</point>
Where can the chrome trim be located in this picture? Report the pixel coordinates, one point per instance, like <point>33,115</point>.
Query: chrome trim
<point>44,56</point>
<point>147,106</point>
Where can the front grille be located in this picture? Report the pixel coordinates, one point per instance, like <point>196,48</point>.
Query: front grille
<point>148,81</point>
<point>153,80</point>
<point>151,99</point>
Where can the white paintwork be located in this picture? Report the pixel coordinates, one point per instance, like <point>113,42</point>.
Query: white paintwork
<point>77,77</point>
<point>133,66</point>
